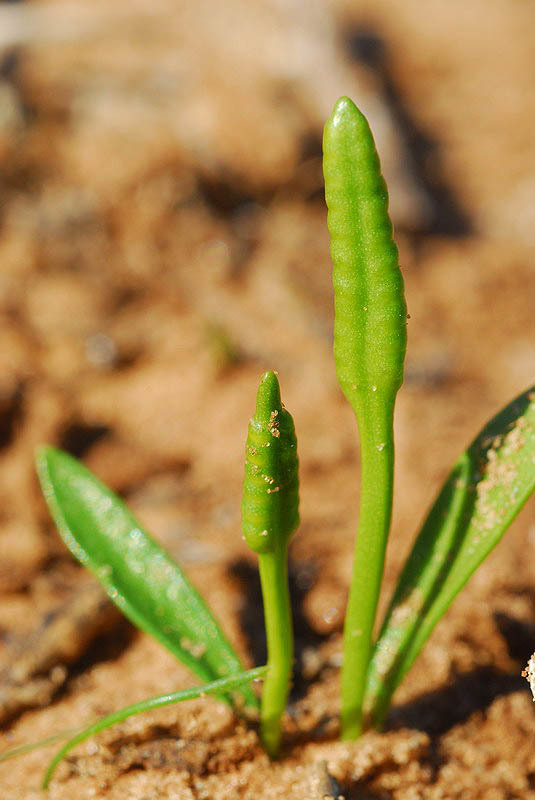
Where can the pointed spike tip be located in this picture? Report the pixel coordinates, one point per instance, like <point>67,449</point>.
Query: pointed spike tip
<point>268,398</point>
<point>345,111</point>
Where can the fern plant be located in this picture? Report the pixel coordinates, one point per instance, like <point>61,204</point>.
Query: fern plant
<point>484,492</point>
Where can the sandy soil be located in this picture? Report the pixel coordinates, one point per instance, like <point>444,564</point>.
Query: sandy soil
<point>163,242</point>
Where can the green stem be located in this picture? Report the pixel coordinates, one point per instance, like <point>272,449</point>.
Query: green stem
<point>375,421</point>
<point>273,568</point>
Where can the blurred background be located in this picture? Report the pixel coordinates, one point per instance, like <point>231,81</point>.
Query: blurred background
<point>163,242</point>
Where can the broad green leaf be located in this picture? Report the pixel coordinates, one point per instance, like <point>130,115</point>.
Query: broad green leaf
<point>483,494</point>
<point>215,687</point>
<point>138,575</point>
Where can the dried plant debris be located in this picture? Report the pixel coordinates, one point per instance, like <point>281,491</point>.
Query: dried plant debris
<point>529,674</point>
<point>322,784</point>
<point>38,662</point>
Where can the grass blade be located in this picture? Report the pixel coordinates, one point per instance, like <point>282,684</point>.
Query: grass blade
<point>138,575</point>
<point>215,687</point>
<point>23,749</point>
<point>484,492</point>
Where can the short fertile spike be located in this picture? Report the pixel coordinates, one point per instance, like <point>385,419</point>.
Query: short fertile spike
<point>270,514</point>
<point>270,511</point>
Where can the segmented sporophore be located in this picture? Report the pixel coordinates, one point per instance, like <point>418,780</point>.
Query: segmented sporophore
<point>270,506</point>
<point>370,335</point>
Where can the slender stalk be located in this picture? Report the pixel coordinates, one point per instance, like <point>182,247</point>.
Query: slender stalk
<point>377,468</point>
<point>273,568</point>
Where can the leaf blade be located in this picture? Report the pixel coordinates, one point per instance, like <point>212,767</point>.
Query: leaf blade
<point>214,687</point>
<point>484,492</point>
<point>137,574</point>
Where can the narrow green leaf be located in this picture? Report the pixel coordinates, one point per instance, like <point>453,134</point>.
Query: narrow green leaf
<point>215,687</point>
<point>483,494</point>
<point>138,575</point>
<point>23,749</point>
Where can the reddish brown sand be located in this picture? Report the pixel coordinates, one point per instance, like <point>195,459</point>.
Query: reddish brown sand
<point>163,242</point>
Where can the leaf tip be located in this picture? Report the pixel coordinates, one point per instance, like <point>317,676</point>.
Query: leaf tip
<point>47,458</point>
<point>42,454</point>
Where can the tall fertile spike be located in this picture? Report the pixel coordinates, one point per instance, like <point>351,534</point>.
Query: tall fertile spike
<point>369,349</point>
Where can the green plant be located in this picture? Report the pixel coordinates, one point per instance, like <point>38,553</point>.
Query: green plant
<point>270,514</point>
<point>488,485</point>
<point>370,339</point>
<point>485,490</point>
